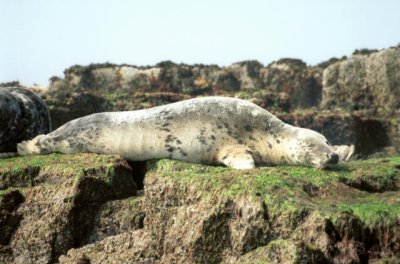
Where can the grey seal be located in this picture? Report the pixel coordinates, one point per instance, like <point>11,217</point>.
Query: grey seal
<point>209,130</point>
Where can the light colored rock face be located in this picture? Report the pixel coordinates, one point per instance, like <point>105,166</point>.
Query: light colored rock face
<point>370,82</point>
<point>246,76</point>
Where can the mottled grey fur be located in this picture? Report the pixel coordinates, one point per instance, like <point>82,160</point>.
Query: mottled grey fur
<point>211,130</point>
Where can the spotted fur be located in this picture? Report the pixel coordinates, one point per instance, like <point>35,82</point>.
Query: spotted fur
<point>210,130</point>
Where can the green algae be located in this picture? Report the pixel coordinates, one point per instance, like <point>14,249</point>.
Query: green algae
<point>22,171</point>
<point>367,189</point>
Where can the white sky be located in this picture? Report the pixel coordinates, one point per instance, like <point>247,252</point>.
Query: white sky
<point>40,38</point>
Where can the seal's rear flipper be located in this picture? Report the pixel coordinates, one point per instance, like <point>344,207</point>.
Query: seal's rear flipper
<point>236,157</point>
<point>345,152</point>
<point>30,147</point>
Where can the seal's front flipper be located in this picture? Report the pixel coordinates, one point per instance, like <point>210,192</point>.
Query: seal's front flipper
<point>237,157</point>
<point>345,152</point>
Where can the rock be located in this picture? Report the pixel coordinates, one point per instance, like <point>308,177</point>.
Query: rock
<point>23,115</point>
<point>54,207</point>
<point>65,106</point>
<point>302,84</point>
<point>361,89</point>
<point>9,218</point>
<point>283,251</point>
<point>248,211</point>
<point>284,85</point>
<point>130,247</point>
<point>117,217</point>
<point>369,82</point>
<point>199,214</point>
<point>369,135</point>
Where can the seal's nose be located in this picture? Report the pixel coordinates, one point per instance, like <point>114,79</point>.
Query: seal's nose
<point>333,158</point>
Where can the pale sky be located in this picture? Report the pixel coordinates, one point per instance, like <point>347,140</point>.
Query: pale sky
<point>41,38</point>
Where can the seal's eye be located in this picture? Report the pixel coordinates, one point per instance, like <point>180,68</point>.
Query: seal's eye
<point>311,145</point>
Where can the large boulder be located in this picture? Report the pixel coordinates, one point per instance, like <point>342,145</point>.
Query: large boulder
<point>23,115</point>
<point>367,82</point>
<point>48,204</point>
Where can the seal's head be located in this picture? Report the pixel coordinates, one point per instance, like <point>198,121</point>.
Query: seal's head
<point>313,149</point>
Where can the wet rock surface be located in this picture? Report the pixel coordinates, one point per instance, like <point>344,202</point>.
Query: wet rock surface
<point>85,209</point>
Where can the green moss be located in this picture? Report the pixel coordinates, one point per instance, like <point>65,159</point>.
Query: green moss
<point>114,97</point>
<point>243,95</point>
<point>3,192</point>
<point>134,202</point>
<point>368,188</point>
<point>292,191</point>
<point>21,171</point>
<point>373,213</point>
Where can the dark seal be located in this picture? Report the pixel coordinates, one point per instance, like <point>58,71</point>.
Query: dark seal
<point>23,115</point>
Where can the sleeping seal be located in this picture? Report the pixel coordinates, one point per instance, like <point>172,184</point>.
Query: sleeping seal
<point>210,130</point>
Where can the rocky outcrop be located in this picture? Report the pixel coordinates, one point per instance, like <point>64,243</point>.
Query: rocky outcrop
<point>48,204</point>
<point>349,100</point>
<point>199,214</point>
<point>23,115</point>
<point>367,82</point>
<point>85,209</point>
<point>88,208</point>
<point>370,136</point>
<point>284,85</point>
<point>302,84</point>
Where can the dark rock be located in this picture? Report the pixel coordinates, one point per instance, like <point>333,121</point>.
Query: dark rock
<point>23,115</point>
<point>369,135</point>
<point>117,217</point>
<point>9,218</point>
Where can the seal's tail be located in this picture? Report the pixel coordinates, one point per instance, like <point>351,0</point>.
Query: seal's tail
<point>29,147</point>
